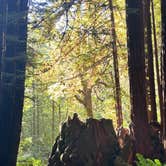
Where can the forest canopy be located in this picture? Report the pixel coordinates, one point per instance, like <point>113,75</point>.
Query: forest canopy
<point>101,59</point>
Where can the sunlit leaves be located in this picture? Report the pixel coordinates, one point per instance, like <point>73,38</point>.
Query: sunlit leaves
<point>75,45</point>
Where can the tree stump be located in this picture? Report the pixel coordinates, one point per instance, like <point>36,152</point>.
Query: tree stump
<point>93,143</point>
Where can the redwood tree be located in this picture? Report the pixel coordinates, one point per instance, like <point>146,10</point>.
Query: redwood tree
<point>1,27</point>
<point>12,78</point>
<point>163,14</point>
<point>150,72</point>
<point>136,63</point>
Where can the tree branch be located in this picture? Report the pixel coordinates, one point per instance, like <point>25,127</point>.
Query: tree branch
<point>79,99</point>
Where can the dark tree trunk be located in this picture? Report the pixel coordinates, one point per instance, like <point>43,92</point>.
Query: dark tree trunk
<point>116,69</point>
<point>1,26</point>
<point>136,64</point>
<point>150,71</point>
<point>163,14</point>
<point>12,80</point>
<point>147,81</point>
<point>2,7</point>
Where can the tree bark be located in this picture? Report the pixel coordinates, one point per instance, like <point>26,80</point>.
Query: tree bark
<point>163,15</point>
<point>136,57</point>
<point>86,98</point>
<point>152,95</point>
<point>70,147</point>
<point>12,80</point>
<point>2,7</point>
<point>88,102</point>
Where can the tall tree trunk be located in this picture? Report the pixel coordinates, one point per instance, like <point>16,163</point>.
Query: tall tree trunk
<point>163,14</point>
<point>53,121</point>
<point>157,63</point>
<point>1,26</point>
<point>88,102</point>
<point>136,56</point>
<point>147,81</point>
<point>12,80</point>
<point>60,114</point>
<point>116,69</point>
<point>34,110</point>
<point>152,95</point>
<point>86,98</point>
<point>37,117</point>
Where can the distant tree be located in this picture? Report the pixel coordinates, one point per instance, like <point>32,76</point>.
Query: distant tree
<point>86,99</point>
<point>53,122</point>
<point>116,69</point>
<point>157,62</point>
<point>12,71</point>
<point>136,62</point>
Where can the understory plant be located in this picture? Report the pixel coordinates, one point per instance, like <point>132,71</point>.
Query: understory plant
<point>141,161</point>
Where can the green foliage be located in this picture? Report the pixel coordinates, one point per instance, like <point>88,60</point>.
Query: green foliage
<point>147,162</point>
<point>65,49</point>
<point>25,145</point>
<point>29,161</point>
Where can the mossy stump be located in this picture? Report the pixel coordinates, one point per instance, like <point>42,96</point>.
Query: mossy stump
<point>93,143</point>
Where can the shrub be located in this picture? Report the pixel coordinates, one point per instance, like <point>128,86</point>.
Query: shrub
<point>141,161</point>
